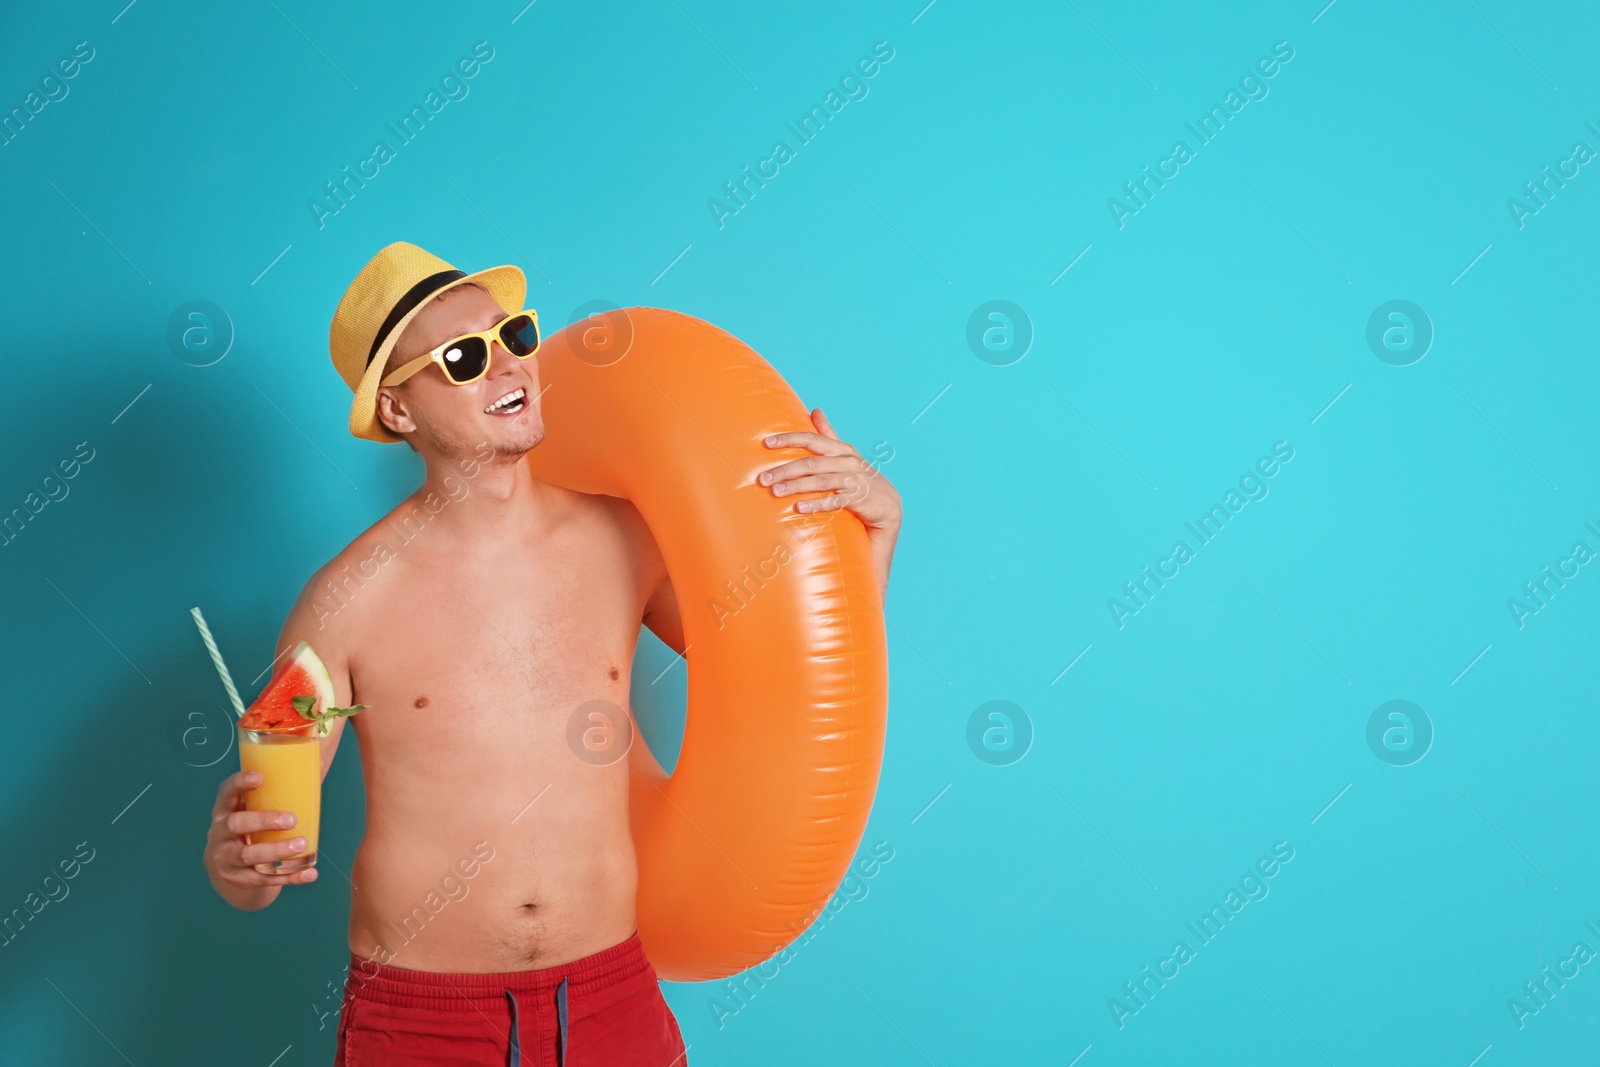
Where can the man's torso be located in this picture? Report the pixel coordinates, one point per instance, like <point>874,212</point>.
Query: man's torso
<point>472,654</point>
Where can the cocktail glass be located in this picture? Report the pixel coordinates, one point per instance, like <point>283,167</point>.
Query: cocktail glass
<point>290,762</point>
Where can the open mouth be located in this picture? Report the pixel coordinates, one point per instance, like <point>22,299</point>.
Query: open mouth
<point>509,404</point>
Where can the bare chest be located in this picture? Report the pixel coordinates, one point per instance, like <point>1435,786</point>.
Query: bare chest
<point>497,646</point>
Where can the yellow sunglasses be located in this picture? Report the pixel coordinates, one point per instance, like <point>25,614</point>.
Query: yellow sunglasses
<point>465,359</point>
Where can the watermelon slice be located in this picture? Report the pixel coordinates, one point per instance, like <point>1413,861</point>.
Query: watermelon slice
<point>303,675</point>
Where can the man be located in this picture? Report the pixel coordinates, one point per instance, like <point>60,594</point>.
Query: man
<point>480,633</point>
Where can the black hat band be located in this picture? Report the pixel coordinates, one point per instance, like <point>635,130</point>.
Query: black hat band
<point>414,296</point>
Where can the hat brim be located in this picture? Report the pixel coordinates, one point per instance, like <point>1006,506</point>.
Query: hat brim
<point>509,287</point>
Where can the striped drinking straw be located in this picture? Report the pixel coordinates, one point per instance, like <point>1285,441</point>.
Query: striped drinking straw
<point>216,659</point>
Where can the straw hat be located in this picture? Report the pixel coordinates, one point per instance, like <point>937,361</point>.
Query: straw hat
<point>394,286</point>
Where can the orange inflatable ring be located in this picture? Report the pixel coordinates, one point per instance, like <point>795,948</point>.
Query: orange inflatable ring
<point>741,847</point>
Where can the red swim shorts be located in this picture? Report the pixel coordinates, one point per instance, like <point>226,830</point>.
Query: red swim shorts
<point>602,1009</point>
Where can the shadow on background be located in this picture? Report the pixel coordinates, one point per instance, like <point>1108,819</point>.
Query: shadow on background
<point>136,956</point>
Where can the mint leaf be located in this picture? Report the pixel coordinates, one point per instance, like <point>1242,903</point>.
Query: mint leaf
<point>325,720</point>
<point>305,705</point>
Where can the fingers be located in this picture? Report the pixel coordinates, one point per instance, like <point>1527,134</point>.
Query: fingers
<point>851,475</point>
<point>270,851</point>
<point>820,443</point>
<point>831,502</point>
<point>821,422</point>
<point>846,486</point>
<point>837,464</point>
<point>235,786</point>
<point>249,822</point>
<point>249,876</point>
<point>231,860</point>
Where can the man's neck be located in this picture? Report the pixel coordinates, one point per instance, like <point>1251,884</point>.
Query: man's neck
<point>502,495</point>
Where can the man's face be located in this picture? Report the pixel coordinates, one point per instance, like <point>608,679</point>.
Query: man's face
<point>451,420</point>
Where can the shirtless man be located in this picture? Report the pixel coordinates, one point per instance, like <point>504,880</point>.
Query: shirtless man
<point>492,898</point>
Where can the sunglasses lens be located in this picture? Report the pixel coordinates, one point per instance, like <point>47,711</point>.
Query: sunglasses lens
<point>520,335</point>
<point>466,360</point>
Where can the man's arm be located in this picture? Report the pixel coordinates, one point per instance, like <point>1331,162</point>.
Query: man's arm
<point>661,613</point>
<point>229,860</point>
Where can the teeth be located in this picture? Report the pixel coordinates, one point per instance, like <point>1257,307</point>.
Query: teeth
<point>510,398</point>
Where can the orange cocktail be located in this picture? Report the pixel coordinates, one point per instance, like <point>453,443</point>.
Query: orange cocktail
<point>290,762</point>
<point>281,737</point>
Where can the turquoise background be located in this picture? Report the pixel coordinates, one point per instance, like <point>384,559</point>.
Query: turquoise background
<point>1230,313</point>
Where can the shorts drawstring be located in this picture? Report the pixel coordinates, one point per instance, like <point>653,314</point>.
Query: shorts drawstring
<point>561,1020</point>
<point>515,1059</point>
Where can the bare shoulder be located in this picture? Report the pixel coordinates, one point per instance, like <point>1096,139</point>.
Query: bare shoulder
<point>321,618</point>
<point>622,517</point>
<point>327,614</point>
